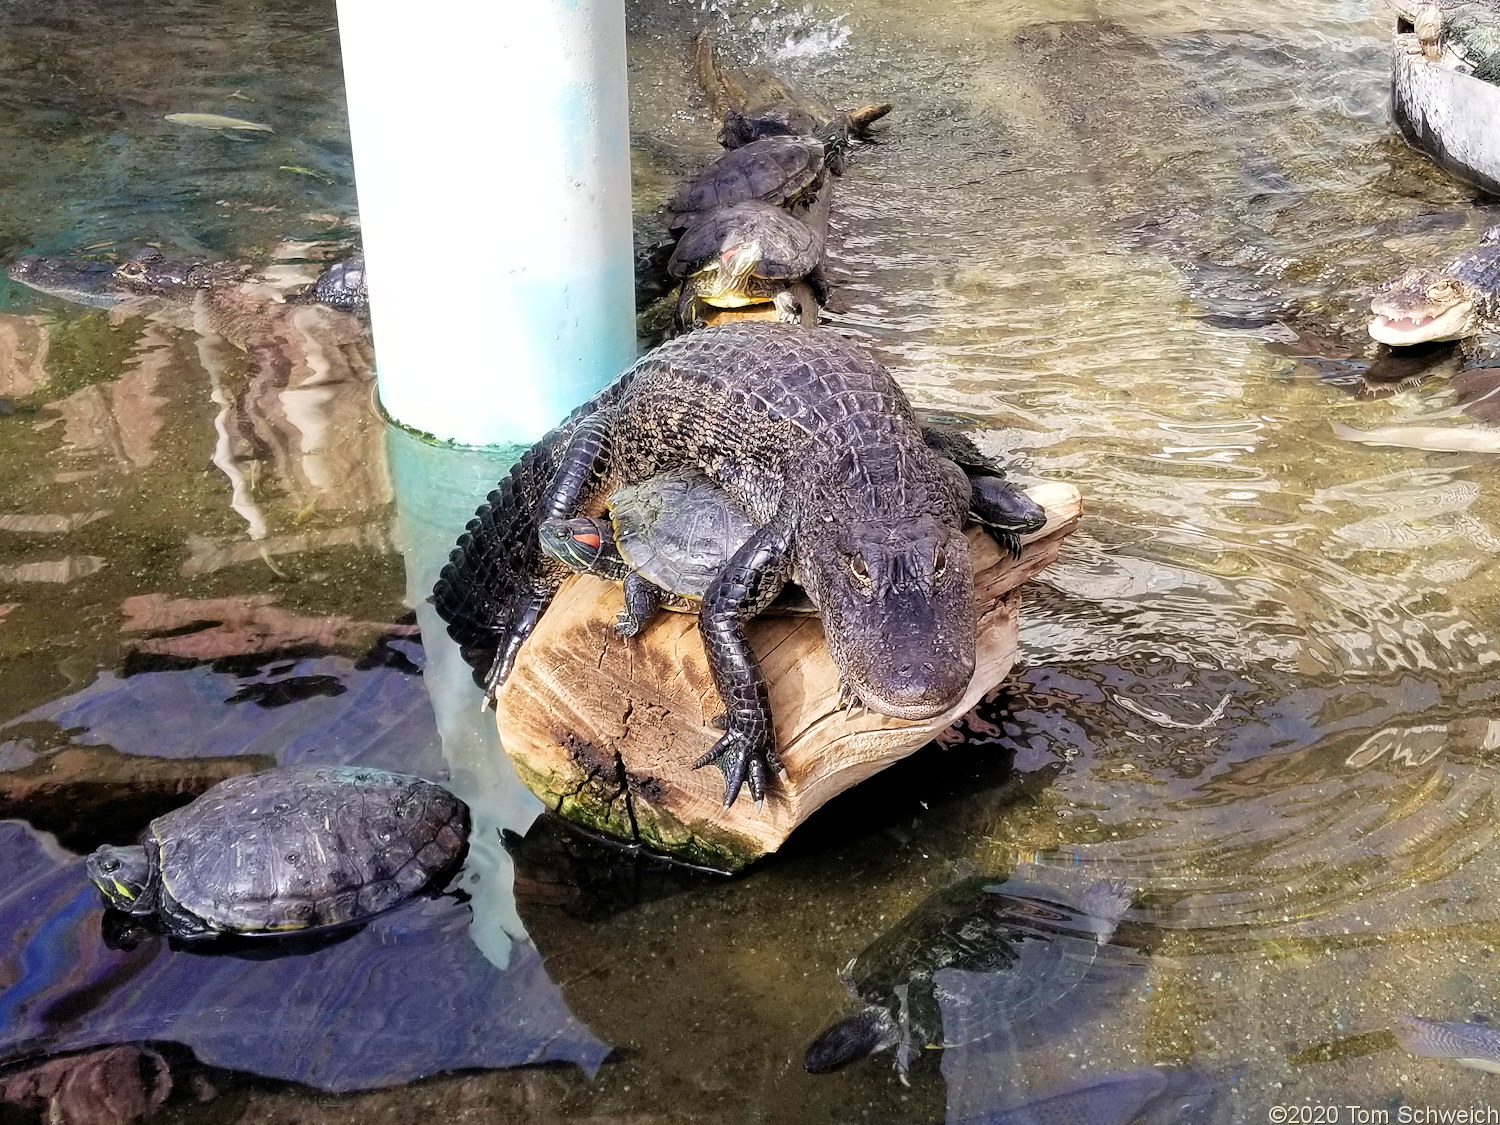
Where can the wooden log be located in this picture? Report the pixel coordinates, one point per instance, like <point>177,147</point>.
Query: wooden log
<point>605,731</point>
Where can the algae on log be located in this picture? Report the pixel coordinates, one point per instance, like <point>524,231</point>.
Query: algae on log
<point>605,730</point>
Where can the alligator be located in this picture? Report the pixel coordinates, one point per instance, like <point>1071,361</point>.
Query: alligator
<point>1452,302</point>
<point>818,445</point>
<point>101,283</point>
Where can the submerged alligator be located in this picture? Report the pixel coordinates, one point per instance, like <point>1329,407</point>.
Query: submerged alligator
<point>100,283</point>
<point>817,444</point>
<point>1450,302</point>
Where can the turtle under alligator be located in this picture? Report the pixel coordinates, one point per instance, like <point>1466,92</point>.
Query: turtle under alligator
<point>817,444</point>
<point>969,962</point>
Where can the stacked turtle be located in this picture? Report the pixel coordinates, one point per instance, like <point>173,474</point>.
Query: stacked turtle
<point>751,227</point>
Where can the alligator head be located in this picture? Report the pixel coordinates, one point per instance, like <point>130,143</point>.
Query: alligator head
<point>85,281</point>
<point>1420,306</point>
<point>896,594</point>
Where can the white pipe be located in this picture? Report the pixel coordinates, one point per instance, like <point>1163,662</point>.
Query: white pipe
<point>492,148</point>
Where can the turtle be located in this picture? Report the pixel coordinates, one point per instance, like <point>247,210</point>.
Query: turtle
<point>287,850</point>
<point>343,285</point>
<point>665,539</point>
<point>974,959</point>
<point>745,254</point>
<point>783,171</point>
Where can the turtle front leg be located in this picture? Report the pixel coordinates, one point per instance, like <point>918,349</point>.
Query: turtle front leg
<point>690,308</point>
<point>788,307</point>
<point>642,600</point>
<point>748,583</point>
<point>1004,511</point>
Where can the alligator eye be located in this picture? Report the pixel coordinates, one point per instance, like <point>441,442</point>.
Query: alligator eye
<point>860,571</point>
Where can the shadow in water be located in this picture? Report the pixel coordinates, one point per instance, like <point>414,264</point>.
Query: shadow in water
<point>406,996</point>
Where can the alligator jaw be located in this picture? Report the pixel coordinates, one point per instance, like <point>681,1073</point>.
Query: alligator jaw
<point>1453,323</point>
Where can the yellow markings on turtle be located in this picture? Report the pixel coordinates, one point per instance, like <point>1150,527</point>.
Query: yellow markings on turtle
<point>123,891</point>
<point>730,300</point>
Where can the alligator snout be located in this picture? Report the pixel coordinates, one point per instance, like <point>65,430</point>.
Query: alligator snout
<point>920,689</point>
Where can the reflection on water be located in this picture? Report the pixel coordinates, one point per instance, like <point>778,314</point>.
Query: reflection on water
<point>1130,243</point>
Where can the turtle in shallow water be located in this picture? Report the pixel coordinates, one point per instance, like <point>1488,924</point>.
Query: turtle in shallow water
<point>343,285</point>
<point>970,961</point>
<point>746,254</point>
<point>294,849</point>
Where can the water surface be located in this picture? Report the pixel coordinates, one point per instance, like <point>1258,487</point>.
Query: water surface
<point>1129,244</point>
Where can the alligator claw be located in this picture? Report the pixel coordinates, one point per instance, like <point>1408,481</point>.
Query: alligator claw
<point>849,699</point>
<point>744,758</point>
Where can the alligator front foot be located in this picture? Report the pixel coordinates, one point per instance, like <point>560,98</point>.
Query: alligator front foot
<point>849,699</point>
<point>744,754</point>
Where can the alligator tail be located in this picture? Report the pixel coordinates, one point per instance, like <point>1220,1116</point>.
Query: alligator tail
<point>498,556</point>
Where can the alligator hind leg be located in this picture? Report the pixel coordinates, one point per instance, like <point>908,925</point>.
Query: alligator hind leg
<point>748,583</point>
<point>580,475</point>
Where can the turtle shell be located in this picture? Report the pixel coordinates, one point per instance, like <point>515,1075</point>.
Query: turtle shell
<point>343,284</point>
<point>304,847</point>
<point>789,247</point>
<point>773,169</point>
<point>677,529</point>
<point>983,956</point>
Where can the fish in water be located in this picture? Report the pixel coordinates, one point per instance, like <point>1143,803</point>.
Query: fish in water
<point>1468,1044</point>
<point>1160,1095</point>
<point>217,121</point>
<point>1438,439</point>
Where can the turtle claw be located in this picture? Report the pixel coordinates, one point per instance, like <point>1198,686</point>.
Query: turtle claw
<point>627,625</point>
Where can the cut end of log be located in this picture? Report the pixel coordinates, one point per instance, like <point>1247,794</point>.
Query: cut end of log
<point>605,730</point>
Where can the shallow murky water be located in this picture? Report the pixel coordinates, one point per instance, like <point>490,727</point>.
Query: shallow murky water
<point>1126,243</point>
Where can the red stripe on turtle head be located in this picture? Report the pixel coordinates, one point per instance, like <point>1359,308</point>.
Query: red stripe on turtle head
<point>587,538</point>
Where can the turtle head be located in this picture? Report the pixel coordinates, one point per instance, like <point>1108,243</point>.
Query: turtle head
<point>1427,22</point>
<point>896,594</point>
<point>1420,306</point>
<point>578,544</point>
<point>125,877</point>
<point>739,263</point>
